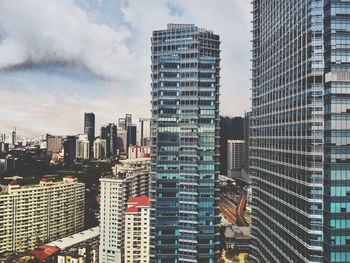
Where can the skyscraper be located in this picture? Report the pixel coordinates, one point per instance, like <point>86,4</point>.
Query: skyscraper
<point>185,143</point>
<point>89,129</point>
<point>230,129</point>
<point>69,146</point>
<point>109,133</point>
<point>300,131</point>
<point>235,158</point>
<point>131,134</point>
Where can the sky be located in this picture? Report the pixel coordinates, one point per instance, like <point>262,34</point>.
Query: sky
<point>61,58</point>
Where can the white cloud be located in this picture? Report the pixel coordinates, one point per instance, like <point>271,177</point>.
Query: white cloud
<point>58,31</point>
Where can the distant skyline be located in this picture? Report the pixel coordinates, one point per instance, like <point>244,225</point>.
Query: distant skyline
<point>63,58</point>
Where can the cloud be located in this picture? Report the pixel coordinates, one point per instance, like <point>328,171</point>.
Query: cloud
<point>59,58</point>
<point>60,32</point>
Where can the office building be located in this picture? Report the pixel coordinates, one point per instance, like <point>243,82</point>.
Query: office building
<point>121,124</point>
<point>247,125</point>
<point>300,131</point>
<point>122,141</point>
<point>100,149</point>
<point>32,214</point>
<point>185,144</point>
<point>82,147</point>
<point>130,178</point>
<point>53,144</point>
<point>89,129</point>
<point>145,132</point>
<point>131,135</point>
<point>230,129</point>
<point>128,119</point>
<point>235,158</point>
<point>69,146</point>
<point>137,230</point>
<point>109,133</point>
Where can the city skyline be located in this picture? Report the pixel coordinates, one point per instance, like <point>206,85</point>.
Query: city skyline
<point>51,62</point>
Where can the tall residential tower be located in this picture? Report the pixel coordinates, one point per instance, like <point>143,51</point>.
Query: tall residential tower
<point>300,150</point>
<point>185,143</point>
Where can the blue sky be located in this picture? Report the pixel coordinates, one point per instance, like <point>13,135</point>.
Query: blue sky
<point>65,57</point>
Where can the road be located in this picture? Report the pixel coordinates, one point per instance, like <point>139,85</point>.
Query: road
<point>241,221</point>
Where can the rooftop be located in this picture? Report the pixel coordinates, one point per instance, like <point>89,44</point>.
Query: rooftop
<point>76,238</point>
<point>134,203</point>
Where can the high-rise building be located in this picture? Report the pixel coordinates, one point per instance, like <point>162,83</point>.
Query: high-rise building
<point>100,149</point>
<point>136,151</point>
<point>128,119</point>
<point>131,135</point>
<point>121,123</point>
<point>247,125</point>
<point>109,133</point>
<point>11,138</point>
<point>122,141</point>
<point>235,158</point>
<point>53,144</point>
<point>300,131</point>
<point>82,147</point>
<point>230,129</point>
<point>89,129</point>
<point>185,144</point>
<point>69,146</point>
<point>145,132</point>
<point>34,214</point>
<point>137,230</point>
<point>130,178</point>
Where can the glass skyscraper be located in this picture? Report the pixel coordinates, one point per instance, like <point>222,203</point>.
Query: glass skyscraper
<point>185,144</point>
<point>300,154</point>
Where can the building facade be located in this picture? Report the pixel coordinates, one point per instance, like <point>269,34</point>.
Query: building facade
<point>137,230</point>
<point>230,129</point>
<point>89,129</point>
<point>300,131</point>
<point>185,143</point>
<point>235,158</point>
<point>109,133</point>
<point>53,144</point>
<point>69,146</point>
<point>100,149</point>
<point>129,179</point>
<point>34,214</point>
<point>247,131</point>
<point>82,147</point>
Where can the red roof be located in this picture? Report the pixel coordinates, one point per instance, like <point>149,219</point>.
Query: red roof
<point>135,202</point>
<point>69,177</point>
<point>43,252</point>
<point>44,180</point>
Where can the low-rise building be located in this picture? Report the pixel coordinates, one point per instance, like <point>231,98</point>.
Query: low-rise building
<point>34,214</point>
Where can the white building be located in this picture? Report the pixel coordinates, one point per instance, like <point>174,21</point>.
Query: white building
<point>130,178</point>
<point>235,158</point>
<point>40,213</point>
<point>82,147</point>
<point>111,219</point>
<point>137,230</point>
<point>100,149</point>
